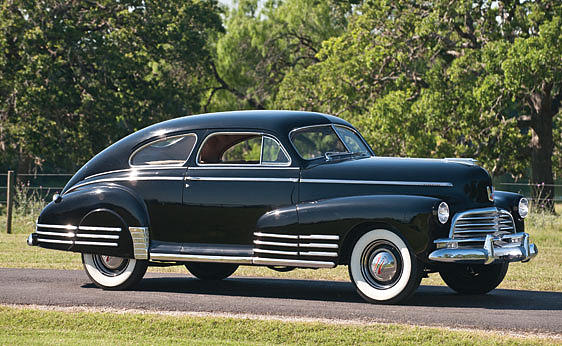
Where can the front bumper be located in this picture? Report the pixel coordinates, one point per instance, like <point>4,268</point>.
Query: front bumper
<point>506,248</point>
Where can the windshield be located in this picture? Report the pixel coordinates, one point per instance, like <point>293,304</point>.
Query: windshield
<point>318,141</point>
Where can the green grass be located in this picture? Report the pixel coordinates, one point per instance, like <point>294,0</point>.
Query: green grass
<point>29,326</point>
<point>543,273</point>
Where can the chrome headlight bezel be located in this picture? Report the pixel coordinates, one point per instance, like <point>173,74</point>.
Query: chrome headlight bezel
<point>523,207</point>
<point>443,212</point>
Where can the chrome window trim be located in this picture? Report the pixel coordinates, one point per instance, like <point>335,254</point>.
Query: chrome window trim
<point>245,165</point>
<point>163,139</point>
<point>332,126</point>
<point>376,182</point>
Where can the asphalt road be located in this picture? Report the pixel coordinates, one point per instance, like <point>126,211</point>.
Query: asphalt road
<point>509,310</point>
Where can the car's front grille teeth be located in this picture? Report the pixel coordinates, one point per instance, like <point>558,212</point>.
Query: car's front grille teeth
<point>477,224</point>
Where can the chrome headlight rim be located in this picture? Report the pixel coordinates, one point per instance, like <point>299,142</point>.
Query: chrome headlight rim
<point>523,207</point>
<point>443,213</point>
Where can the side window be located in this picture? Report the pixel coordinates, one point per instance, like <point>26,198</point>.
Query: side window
<point>247,151</point>
<point>242,148</point>
<point>168,151</point>
<point>351,140</point>
<point>272,152</point>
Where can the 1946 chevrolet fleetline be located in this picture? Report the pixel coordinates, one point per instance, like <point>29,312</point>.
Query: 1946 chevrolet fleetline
<point>287,190</point>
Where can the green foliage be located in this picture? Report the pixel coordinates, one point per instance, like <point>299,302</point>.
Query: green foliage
<point>75,77</point>
<point>439,80</point>
<point>262,46</point>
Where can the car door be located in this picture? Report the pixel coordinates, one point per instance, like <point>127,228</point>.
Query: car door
<point>239,176</point>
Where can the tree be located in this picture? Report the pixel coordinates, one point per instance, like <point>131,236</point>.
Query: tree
<point>77,75</point>
<point>262,45</point>
<point>445,79</point>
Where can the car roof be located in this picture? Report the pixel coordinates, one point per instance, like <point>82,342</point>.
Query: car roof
<point>277,121</point>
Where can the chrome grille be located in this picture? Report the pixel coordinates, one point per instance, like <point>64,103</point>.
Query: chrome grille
<point>478,223</point>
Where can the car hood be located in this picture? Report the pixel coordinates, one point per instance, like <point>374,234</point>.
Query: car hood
<point>444,178</point>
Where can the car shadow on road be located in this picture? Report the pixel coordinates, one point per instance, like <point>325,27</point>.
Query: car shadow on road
<point>336,291</point>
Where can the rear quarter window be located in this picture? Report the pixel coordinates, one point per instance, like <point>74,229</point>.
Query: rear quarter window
<point>172,151</point>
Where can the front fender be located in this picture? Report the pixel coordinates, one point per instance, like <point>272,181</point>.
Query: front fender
<point>410,216</point>
<point>99,216</point>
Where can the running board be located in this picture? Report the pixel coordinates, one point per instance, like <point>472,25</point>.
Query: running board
<point>240,260</point>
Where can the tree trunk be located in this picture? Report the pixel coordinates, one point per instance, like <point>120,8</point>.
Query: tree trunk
<point>542,146</point>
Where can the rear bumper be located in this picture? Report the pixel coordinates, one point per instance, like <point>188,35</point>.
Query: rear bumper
<point>507,248</point>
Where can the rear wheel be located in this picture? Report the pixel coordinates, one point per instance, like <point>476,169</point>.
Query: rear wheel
<point>474,278</point>
<point>383,268</point>
<point>211,271</point>
<point>113,273</point>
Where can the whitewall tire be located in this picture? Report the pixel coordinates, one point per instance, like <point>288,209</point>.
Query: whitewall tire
<point>113,273</point>
<point>383,268</point>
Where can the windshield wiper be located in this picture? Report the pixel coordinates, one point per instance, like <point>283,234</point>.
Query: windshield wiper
<point>334,155</point>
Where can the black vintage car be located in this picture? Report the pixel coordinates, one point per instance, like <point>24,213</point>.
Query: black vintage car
<point>285,190</point>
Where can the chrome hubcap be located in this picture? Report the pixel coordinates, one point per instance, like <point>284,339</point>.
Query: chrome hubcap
<point>383,265</point>
<point>110,265</point>
<point>111,262</point>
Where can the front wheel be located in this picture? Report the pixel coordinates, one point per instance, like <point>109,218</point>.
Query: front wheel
<point>474,278</point>
<point>211,271</point>
<point>383,268</point>
<point>113,273</point>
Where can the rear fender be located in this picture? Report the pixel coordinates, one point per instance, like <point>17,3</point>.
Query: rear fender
<point>99,217</point>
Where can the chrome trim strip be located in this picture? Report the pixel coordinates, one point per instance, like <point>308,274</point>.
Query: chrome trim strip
<point>377,182</point>
<point>139,168</point>
<point>163,139</point>
<point>292,180</point>
<point>93,243</point>
<point>130,178</point>
<point>97,228</point>
<point>226,167</point>
<point>55,241</point>
<point>67,227</point>
<point>199,258</point>
<point>275,235</point>
<point>96,236</point>
<point>292,263</point>
<point>319,245</point>
<point>140,238</point>
<point>286,164</point>
<point>276,252</point>
<point>319,237</point>
<point>274,243</point>
<point>66,234</point>
<point>319,254</point>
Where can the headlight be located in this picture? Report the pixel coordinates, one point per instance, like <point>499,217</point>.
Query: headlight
<point>523,207</point>
<point>443,212</point>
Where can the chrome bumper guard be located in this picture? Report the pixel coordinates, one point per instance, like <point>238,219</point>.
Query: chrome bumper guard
<point>507,248</point>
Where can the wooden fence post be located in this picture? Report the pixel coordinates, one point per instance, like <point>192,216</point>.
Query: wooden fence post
<point>9,201</point>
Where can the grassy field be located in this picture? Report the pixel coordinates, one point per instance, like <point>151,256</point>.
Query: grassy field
<point>29,326</point>
<point>542,273</point>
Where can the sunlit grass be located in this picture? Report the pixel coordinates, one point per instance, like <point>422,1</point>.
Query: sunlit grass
<point>28,326</point>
